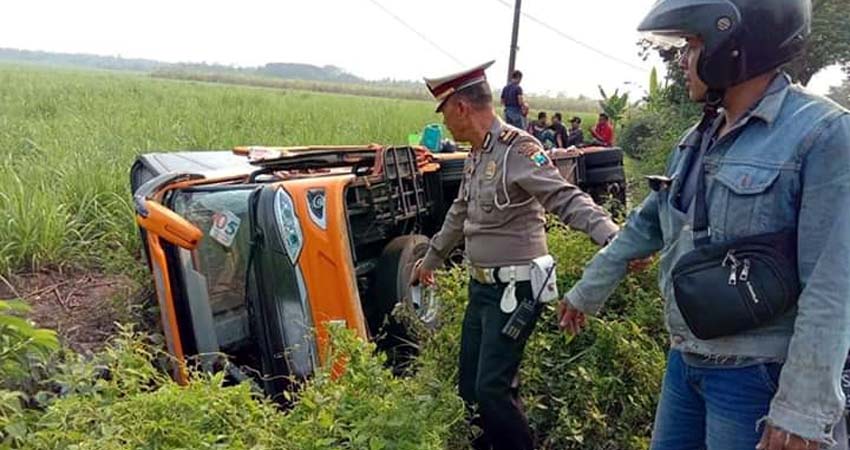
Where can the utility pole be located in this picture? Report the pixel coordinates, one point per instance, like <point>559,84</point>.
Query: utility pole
<point>512,61</point>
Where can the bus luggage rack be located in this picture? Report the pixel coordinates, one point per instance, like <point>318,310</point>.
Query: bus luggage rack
<point>406,186</point>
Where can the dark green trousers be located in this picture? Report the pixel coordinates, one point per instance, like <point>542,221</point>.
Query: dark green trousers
<point>489,361</point>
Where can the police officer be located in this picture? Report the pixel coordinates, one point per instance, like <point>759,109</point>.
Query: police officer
<point>508,185</point>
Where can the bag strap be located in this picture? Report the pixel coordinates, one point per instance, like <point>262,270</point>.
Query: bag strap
<point>702,228</point>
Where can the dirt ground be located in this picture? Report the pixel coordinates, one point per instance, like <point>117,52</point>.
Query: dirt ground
<point>82,307</point>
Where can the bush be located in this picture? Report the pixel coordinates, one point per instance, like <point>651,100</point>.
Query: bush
<point>24,351</point>
<point>122,399</point>
<point>595,391</point>
<point>651,133</point>
<point>368,407</point>
<point>598,390</point>
<point>21,344</point>
<point>640,126</point>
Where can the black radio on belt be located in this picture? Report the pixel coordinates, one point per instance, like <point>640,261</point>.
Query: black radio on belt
<point>520,318</point>
<point>525,312</point>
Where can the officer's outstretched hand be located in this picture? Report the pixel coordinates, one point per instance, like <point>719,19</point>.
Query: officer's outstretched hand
<point>570,319</point>
<point>421,275</point>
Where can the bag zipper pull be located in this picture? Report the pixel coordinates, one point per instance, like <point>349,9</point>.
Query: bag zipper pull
<point>733,264</point>
<point>752,292</point>
<point>730,259</point>
<point>745,272</point>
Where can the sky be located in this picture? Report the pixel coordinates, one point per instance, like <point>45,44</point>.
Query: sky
<point>368,38</point>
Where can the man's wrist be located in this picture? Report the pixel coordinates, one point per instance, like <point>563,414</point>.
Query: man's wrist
<point>431,261</point>
<point>569,302</point>
<point>602,235</point>
<point>791,420</point>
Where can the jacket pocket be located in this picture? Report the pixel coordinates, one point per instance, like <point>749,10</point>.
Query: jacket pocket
<point>750,201</point>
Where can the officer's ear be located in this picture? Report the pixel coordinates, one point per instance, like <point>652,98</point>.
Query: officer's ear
<point>463,107</point>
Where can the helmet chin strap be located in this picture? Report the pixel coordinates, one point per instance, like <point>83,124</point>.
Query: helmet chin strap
<point>713,101</point>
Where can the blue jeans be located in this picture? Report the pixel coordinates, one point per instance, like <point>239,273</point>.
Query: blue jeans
<point>715,408</point>
<point>513,116</point>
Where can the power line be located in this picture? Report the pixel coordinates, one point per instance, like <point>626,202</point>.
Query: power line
<point>574,40</point>
<point>414,30</point>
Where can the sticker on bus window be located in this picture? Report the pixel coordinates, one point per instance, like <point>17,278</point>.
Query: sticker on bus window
<point>225,225</point>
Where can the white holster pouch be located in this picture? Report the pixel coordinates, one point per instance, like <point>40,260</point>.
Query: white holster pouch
<point>544,282</point>
<point>508,303</point>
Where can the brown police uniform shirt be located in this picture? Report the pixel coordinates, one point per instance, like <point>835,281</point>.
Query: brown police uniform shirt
<point>501,204</point>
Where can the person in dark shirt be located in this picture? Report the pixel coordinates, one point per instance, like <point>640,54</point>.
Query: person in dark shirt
<point>513,101</point>
<point>560,131</point>
<point>574,135</point>
<point>540,129</point>
<point>540,125</point>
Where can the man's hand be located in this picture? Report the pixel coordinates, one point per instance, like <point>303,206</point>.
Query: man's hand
<point>421,275</point>
<point>776,439</point>
<point>639,265</point>
<point>570,319</point>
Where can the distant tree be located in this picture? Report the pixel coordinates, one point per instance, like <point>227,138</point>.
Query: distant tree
<point>654,87</point>
<point>829,43</point>
<point>841,94</point>
<point>615,105</point>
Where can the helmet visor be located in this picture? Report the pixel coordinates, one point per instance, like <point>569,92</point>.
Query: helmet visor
<point>666,40</point>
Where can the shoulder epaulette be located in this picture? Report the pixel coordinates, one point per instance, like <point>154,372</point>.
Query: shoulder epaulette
<point>507,136</point>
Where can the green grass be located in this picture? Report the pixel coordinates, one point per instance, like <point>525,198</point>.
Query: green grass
<point>68,139</point>
<point>372,89</point>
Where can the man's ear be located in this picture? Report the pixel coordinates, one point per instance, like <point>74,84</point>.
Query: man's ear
<point>461,108</point>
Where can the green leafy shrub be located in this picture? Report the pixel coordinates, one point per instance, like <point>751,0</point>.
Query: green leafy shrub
<point>21,343</point>
<point>24,350</point>
<point>121,399</point>
<point>650,133</point>
<point>596,391</point>
<point>367,407</point>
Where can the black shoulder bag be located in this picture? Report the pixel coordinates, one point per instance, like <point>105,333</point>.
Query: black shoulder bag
<point>725,288</point>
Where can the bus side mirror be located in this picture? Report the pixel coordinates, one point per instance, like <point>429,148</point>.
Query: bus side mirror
<point>165,223</point>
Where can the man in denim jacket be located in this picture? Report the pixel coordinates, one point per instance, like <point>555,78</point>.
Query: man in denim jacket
<point>775,157</point>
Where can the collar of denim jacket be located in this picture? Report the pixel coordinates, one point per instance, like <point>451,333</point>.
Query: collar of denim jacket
<point>768,108</point>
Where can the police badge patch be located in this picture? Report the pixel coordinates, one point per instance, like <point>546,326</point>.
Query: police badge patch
<point>540,159</point>
<point>534,153</point>
<point>490,170</point>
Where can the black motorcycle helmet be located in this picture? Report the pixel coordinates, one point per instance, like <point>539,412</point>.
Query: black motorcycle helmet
<point>743,38</point>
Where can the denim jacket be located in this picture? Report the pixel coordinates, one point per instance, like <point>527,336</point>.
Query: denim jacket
<point>785,164</point>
